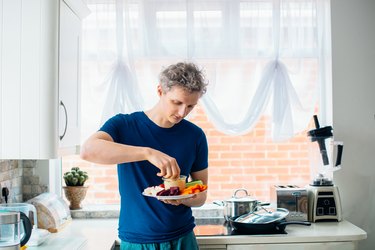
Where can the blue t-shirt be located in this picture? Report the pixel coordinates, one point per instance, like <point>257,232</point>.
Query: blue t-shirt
<point>146,219</point>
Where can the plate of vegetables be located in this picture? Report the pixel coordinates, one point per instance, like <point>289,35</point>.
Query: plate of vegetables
<point>174,193</point>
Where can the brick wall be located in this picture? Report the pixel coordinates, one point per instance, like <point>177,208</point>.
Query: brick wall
<point>31,181</point>
<point>251,161</point>
<point>19,177</point>
<point>11,178</point>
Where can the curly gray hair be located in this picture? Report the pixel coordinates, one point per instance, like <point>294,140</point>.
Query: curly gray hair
<point>186,75</point>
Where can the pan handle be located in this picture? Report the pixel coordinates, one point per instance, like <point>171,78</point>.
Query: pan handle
<point>260,203</point>
<point>305,223</point>
<point>281,226</point>
<point>219,203</point>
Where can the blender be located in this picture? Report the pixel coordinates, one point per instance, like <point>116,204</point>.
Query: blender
<point>323,195</point>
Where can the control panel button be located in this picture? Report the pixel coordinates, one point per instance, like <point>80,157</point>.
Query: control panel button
<point>332,211</point>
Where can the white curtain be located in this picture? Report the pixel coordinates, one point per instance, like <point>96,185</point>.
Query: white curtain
<point>261,57</point>
<point>123,95</point>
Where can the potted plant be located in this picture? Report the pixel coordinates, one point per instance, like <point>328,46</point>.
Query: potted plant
<point>75,191</point>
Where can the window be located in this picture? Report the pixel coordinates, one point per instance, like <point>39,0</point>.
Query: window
<point>234,41</point>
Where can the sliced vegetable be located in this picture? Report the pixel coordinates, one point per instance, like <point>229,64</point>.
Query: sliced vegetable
<point>194,189</point>
<point>192,183</point>
<point>169,192</point>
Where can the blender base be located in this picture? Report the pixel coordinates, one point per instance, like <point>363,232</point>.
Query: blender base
<point>324,203</point>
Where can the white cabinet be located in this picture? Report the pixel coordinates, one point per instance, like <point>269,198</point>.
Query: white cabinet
<point>71,15</point>
<point>29,77</point>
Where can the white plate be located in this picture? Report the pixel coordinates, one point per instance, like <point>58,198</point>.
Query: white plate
<point>172,197</point>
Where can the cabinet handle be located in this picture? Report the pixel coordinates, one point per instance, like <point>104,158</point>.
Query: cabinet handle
<point>66,120</point>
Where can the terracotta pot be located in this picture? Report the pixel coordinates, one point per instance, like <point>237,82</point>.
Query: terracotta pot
<point>75,194</point>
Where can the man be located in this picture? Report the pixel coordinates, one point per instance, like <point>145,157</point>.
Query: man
<point>148,146</point>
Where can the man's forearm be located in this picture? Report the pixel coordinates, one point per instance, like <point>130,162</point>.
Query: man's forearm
<point>109,152</point>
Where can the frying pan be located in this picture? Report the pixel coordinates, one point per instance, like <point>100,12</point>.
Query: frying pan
<point>265,221</point>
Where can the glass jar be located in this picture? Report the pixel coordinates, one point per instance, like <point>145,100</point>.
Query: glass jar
<point>179,182</point>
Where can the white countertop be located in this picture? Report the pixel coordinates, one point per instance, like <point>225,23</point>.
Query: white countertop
<point>90,234</point>
<point>317,232</point>
<point>100,234</point>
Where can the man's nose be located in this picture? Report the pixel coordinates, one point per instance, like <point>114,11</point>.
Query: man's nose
<point>182,111</point>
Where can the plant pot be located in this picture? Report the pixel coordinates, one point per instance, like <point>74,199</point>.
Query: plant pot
<point>75,195</point>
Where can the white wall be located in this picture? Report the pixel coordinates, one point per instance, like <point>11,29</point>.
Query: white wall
<point>353,65</point>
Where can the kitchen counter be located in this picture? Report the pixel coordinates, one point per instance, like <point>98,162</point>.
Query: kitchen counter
<point>90,234</point>
<point>101,234</point>
<point>317,232</point>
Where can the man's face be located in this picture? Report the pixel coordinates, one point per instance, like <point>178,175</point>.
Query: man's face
<point>177,103</point>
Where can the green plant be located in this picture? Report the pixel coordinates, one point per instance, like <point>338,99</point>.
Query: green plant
<point>75,177</point>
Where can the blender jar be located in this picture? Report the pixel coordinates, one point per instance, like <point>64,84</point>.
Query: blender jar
<point>325,154</point>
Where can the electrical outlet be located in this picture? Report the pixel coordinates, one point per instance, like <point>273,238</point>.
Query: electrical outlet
<point>5,193</point>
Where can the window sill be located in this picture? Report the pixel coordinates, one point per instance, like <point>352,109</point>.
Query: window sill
<point>96,211</point>
<point>207,211</point>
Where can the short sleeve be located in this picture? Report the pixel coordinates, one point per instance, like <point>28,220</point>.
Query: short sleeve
<point>201,161</point>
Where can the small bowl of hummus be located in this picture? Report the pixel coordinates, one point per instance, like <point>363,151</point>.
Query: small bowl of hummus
<point>179,182</point>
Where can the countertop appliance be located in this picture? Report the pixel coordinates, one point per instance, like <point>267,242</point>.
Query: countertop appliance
<point>11,237</point>
<point>323,196</point>
<point>325,203</point>
<point>28,209</point>
<point>293,198</point>
<point>38,236</point>
<point>52,211</point>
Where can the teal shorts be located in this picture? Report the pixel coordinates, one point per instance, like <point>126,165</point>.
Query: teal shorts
<point>186,242</point>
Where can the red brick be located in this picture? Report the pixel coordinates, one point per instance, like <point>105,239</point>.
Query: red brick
<point>288,147</point>
<point>219,163</point>
<point>287,162</point>
<point>254,155</point>
<point>278,170</point>
<point>219,147</point>
<point>265,163</point>
<point>106,195</point>
<point>231,155</point>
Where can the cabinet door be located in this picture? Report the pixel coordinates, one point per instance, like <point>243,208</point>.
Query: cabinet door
<point>69,79</point>
<point>28,79</point>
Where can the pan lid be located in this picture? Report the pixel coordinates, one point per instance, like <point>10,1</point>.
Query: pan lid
<point>263,216</point>
<point>245,197</point>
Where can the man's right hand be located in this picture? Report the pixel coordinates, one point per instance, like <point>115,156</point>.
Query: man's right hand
<point>168,165</point>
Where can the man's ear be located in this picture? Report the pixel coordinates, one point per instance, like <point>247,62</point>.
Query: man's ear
<point>160,90</point>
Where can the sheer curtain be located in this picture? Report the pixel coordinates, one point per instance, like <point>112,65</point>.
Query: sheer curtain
<point>260,57</point>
